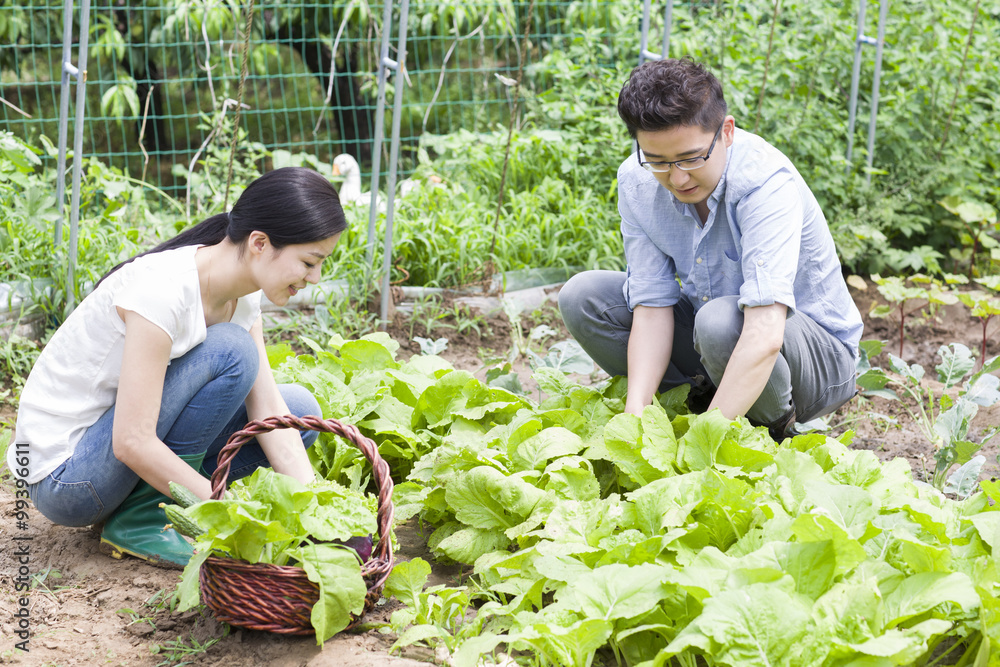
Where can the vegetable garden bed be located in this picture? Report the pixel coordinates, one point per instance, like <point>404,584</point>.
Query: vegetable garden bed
<point>86,608</point>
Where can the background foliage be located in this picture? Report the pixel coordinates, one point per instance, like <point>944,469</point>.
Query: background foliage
<point>938,122</point>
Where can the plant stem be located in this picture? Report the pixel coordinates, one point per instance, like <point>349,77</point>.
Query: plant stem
<point>902,319</point>
<point>767,64</point>
<point>510,128</point>
<point>982,347</point>
<point>958,84</point>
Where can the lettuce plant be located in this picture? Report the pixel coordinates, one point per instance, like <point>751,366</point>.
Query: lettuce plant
<point>597,537</point>
<point>272,518</point>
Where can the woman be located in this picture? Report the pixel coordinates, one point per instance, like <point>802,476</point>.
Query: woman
<point>147,379</point>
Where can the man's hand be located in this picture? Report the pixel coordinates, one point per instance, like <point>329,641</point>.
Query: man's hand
<point>753,360</point>
<point>649,348</point>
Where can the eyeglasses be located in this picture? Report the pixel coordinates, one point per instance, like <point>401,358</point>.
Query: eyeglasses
<point>690,164</point>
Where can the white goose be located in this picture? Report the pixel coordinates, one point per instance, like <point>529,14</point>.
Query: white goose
<point>350,192</point>
<point>346,166</point>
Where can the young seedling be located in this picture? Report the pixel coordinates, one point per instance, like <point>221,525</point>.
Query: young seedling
<point>943,421</point>
<point>428,346</point>
<point>137,618</point>
<point>983,305</point>
<point>467,320</point>
<point>180,652</point>
<point>978,219</point>
<point>428,312</point>
<point>894,290</point>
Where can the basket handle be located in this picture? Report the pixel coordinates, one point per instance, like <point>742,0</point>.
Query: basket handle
<point>380,469</point>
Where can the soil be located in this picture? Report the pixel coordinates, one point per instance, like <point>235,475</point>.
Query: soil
<point>85,609</point>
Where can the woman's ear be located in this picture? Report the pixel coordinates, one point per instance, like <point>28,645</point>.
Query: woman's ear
<point>258,242</point>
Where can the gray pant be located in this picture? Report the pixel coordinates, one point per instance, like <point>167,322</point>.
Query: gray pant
<point>813,369</point>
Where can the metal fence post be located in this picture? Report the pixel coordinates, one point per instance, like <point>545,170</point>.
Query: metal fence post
<point>644,52</point>
<point>78,72</point>
<point>68,70</point>
<point>859,43</point>
<point>397,112</point>
<point>883,11</point>
<point>385,64</point>
<point>383,72</point>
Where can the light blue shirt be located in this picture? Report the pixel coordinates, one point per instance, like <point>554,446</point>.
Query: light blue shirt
<point>765,240</point>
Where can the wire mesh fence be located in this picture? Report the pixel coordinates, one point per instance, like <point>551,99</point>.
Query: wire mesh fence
<point>160,73</point>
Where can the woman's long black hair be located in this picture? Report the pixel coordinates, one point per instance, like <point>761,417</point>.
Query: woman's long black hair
<point>292,205</point>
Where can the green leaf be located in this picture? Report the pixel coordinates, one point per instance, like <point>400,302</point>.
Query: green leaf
<point>276,354</point>
<point>189,588</point>
<point>964,481</point>
<point>572,646</point>
<point>871,348</point>
<point>341,589</point>
<point>697,447</point>
<point>983,390</point>
<point>659,444</point>
<point>811,564</point>
<point>466,545</point>
<point>902,646</point>
<point>872,379</point>
<point>572,478</point>
<point>674,400</point>
<point>407,581</point>
<point>991,489</point>
<point>420,633</point>
<point>471,648</point>
<point>956,363</point>
<point>568,357</point>
<point>917,556</point>
<point>550,443</point>
<point>485,498</point>
<point>924,591</point>
<point>914,373</point>
<point>988,525</point>
<point>756,625</point>
<point>953,424</point>
<point>820,528</point>
<point>616,591</point>
<point>331,517</point>
<point>881,311</point>
<point>366,354</point>
<point>623,447</point>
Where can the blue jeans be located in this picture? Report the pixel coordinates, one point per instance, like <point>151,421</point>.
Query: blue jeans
<point>202,405</point>
<point>814,371</point>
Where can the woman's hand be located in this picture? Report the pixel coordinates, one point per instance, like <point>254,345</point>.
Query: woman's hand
<point>283,447</point>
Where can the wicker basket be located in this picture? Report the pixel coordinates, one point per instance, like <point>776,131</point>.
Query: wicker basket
<point>280,598</point>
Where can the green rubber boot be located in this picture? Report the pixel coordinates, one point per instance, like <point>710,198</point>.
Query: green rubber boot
<point>136,527</point>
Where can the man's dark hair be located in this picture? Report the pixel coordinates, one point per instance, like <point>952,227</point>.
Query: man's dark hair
<point>662,94</point>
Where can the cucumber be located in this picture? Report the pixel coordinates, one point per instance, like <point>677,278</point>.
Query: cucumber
<point>181,522</point>
<point>183,496</point>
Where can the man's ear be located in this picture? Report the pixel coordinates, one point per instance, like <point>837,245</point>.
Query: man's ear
<point>729,130</point>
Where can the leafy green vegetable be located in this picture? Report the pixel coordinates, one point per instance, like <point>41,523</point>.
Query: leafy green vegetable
<point>272,518</point>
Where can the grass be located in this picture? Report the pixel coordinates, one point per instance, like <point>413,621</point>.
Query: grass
<point>181,651</point>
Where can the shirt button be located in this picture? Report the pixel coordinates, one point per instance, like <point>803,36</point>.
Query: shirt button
<point>704,298</point>
<point>760,262</point>
<point>698,260</point>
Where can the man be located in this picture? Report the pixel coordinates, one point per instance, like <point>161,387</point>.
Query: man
<point>733,284</point>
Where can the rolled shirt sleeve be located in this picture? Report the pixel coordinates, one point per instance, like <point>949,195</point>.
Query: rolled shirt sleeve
<point>651,276</point>
<point>771,222</point>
